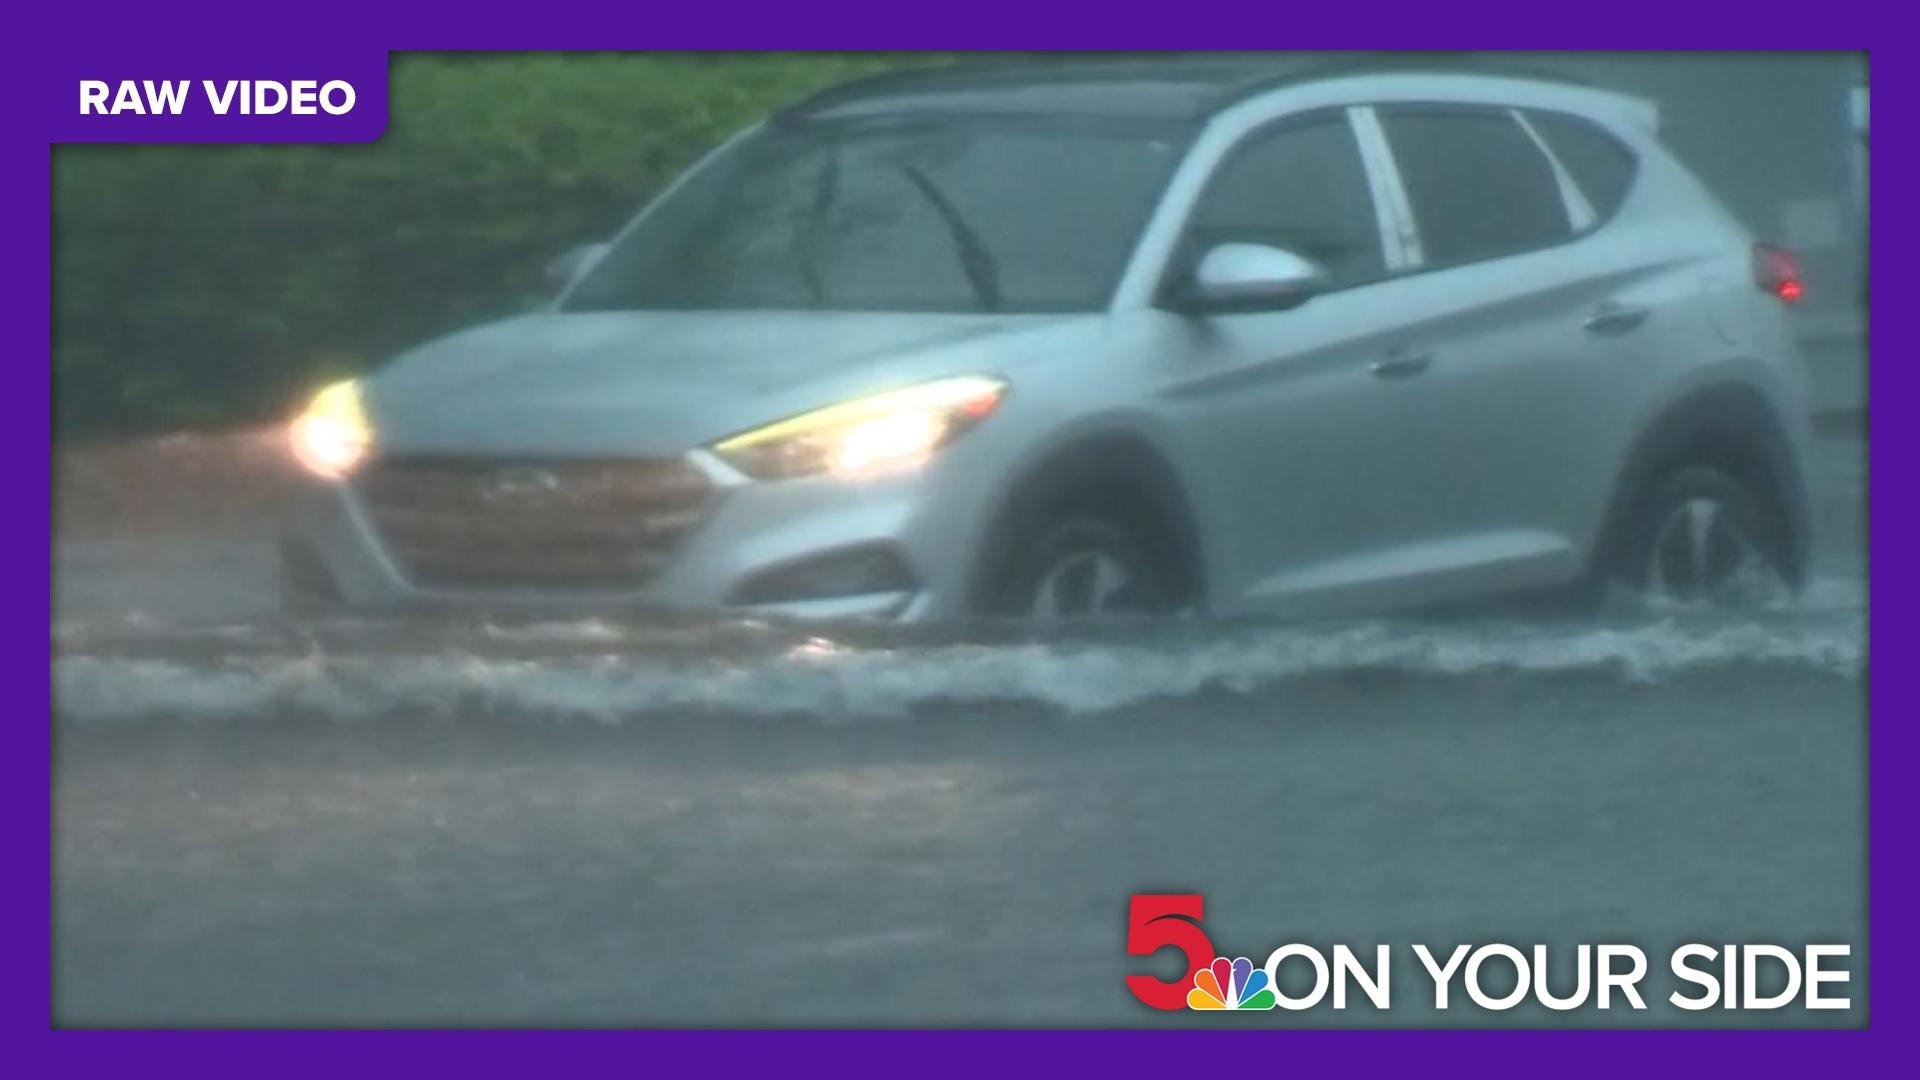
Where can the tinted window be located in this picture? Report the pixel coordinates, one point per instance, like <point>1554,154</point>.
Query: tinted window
<point>1303,188</point>
<point>1478,185</point>
<point>1596,160</point>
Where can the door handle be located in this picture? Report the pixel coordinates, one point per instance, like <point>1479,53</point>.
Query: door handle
<point>1401,365</point>
<point>1613,317</point>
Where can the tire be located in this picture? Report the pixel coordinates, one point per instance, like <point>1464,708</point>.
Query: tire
<point>1089,565</point>
<point>1703,538</point>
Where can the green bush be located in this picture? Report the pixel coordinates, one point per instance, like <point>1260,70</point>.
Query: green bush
<point>208,284</point>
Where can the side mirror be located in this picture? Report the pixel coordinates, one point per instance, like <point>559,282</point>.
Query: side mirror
<point>1249,277</point>
<point>572,265</point>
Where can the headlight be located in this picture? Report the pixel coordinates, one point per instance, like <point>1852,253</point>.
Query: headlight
<point>332,436</point>
<point>895,430</point>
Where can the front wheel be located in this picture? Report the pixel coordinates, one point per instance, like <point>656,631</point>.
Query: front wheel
<point>1704,539</point>
<point>1087,566</point>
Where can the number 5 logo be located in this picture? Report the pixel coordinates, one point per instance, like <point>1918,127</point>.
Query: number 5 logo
<point>1155,922</point>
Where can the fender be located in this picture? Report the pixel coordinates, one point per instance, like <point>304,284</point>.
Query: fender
<point>1106,461</point>
<point>1734,427</point>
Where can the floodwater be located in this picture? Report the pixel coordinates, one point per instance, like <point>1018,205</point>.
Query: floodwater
<point>262,819</point>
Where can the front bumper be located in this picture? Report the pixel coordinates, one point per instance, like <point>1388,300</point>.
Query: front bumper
<point>751,533</point>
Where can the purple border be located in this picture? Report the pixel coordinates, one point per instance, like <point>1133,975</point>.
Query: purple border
<point>347,34</point>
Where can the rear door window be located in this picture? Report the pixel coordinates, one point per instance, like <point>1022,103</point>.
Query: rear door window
<point>1478,185</point>
<point>1301,187</point>
<point>1598,163</point>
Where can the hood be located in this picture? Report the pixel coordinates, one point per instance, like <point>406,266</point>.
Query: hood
<point>657,382</point>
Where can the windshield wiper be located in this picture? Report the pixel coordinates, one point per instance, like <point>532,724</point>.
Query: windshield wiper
<point>983,272</point>
<point>807,230</point>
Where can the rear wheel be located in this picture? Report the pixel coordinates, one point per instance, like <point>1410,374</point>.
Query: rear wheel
<point>1704,538</point>
<point>1087,566</point>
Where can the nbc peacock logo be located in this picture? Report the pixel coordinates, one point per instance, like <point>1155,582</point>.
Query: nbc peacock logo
<point>1230,984</point>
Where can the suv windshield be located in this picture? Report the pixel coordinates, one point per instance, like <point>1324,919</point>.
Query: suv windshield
<point>938,214</point>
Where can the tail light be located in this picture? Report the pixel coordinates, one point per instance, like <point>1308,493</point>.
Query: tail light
<point>1777,272</point>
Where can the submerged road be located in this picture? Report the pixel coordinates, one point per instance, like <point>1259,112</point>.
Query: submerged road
<point>605,829</point>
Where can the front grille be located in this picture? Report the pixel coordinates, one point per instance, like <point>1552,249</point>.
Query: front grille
<point>492,523</point>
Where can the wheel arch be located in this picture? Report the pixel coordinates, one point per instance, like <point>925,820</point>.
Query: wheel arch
<point>1118,470</point>
<point>1733,427</point>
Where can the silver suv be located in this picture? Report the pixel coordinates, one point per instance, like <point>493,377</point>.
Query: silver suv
<point>1074,338</point>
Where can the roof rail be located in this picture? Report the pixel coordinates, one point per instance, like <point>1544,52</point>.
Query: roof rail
<point>1336,65</point>
<point>1259,72</point>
